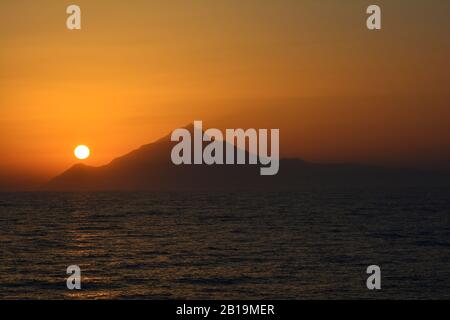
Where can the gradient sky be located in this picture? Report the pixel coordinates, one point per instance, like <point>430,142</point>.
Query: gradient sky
<point>138,69</point>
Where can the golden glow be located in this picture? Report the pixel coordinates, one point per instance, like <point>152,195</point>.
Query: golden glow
<point>134,73</point>
<point>82,152</point>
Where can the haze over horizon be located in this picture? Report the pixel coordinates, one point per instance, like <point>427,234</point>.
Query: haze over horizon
<point>338,92</point>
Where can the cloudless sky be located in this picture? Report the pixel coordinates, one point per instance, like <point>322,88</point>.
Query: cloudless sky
<point>139,69</point>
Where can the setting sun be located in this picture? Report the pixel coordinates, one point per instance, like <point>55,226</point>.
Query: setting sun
<point>82,152</point>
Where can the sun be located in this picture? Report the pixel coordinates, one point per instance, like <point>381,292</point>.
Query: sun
<point>82,152</point>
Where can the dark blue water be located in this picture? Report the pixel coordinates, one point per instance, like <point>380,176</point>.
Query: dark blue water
<point>303,245</point>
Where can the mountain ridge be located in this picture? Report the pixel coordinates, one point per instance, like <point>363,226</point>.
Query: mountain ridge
<point>149,167</point>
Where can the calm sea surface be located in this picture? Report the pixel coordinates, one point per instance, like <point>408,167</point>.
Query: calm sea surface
<point>302,245</point>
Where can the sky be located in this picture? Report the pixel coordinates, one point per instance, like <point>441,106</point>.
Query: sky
<point>139,69</point>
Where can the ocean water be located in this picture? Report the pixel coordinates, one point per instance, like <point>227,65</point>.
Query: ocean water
<point>314,244</point>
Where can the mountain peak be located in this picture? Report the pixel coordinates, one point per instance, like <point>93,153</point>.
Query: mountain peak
<point>150,168</point>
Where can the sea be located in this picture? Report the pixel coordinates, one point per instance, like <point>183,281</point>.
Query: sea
<point>311,244</point>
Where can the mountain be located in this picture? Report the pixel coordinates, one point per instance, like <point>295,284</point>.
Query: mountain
<point>150,168</point>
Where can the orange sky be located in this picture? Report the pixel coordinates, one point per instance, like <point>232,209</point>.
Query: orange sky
<point>139,69</point>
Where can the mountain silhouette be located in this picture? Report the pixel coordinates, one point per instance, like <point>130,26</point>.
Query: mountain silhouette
<point>150,168</point>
